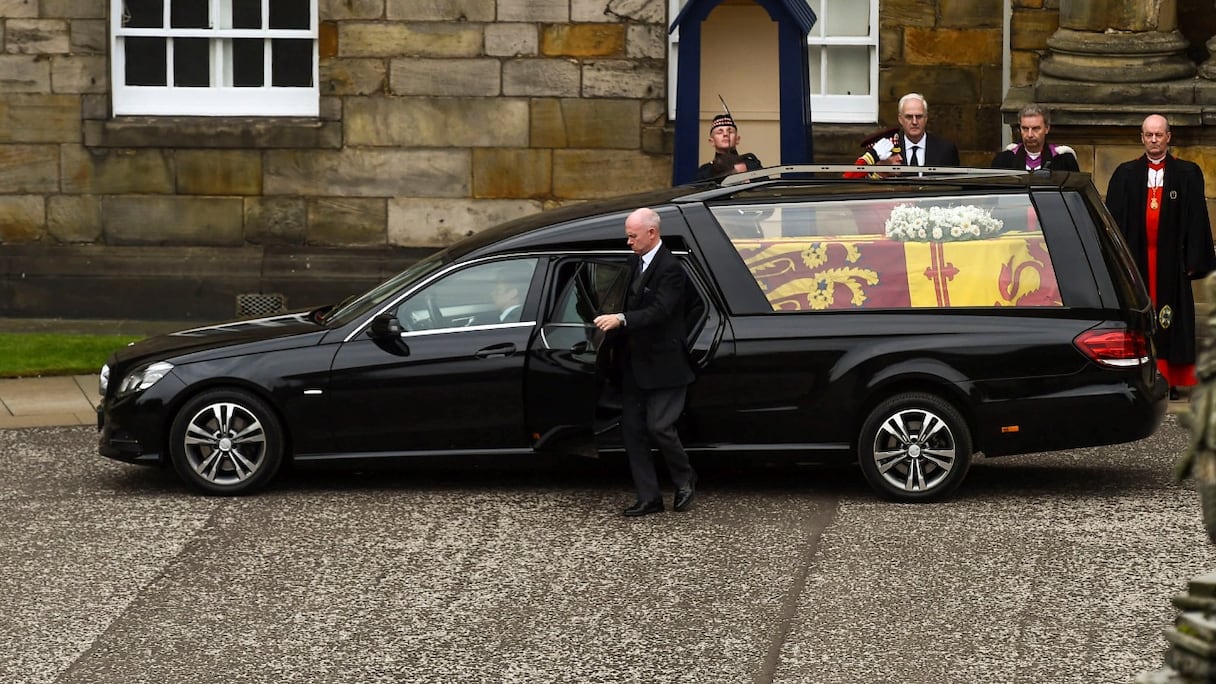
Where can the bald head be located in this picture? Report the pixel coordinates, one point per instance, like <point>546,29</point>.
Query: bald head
<point>1155,136</point>
<point>642,230</point>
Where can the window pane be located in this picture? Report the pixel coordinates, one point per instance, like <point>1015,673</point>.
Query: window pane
<point>247,63</point>
<point>890,253</point>
<point>848,18</point>
<point>817,8</point>
<point>145,61</point>
<point>848,70</point>
<point>143,13</point>
<point>816,55</point>
<point>291,62</point>
<point>247,14</point>
<point>191,67</point>
<point>189,14</point>
<point>289,14</point>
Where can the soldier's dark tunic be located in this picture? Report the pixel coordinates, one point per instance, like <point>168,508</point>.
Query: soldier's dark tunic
<point>706,170</point>
<point>1182,243</point>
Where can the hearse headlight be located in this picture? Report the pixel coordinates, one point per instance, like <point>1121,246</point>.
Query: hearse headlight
<point>144,377</point>
<point>103,379</point>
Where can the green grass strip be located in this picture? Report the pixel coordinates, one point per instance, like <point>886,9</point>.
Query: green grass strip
<point>33,354</point>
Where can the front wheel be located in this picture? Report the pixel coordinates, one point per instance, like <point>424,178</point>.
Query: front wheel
<point>226,442</point>
<point>914,447</point>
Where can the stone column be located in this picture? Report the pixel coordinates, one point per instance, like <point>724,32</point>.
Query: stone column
<point>1208,68</point>
<point>1117,41</point>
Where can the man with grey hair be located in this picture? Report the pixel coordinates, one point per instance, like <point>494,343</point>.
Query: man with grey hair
<point>1033,153</point>
<point>908,144</point>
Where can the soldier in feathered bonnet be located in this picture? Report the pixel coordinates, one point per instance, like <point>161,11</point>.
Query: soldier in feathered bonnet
<point>724,135</point>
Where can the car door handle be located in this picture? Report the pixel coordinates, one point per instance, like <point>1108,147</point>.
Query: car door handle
<point>494,350</point>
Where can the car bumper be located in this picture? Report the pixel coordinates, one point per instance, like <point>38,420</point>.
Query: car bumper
<point>134,428</point>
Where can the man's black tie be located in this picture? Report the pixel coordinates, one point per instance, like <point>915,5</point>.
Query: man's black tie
<point>912,158</point>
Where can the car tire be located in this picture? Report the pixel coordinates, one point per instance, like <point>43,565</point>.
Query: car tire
<point>227,442</point>
<point>914,447</point>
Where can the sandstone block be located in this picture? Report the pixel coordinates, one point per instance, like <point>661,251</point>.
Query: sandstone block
<point>40,118</point>
<point>546,11</point>
<point>971,13</point>
<point>1107,158</point>
<point>587,174</point>
<point>353,76</point>
<point>441,10</point>
<point>73,9</point>
<point>1027,3</point>
<point>908,13</point>
<point>19,9</point>
<point>512,173</point>
<point>937,84</point>
<point>646,42</point>
<point>29,168</point>
<point>890,44</point>
<point>24,74</point>
<point>623,78</point>
<point>437,122</point>
<point>327,40</point>
<point>95,171</point>
<point>36,36</point>
<point>952,46</point>
<point>586,123</point>
<point>440,222</point>
<point>336,10</point>
<point>83,74</point>
<point>1023,67</point>
<point>634,11</point>
<point>347,221</point>
<point>1030,29</point>
<point>366,39</point>
<point>659,140</point>
<point>275,220</point>
<point>540,77</point>
<point>173,220</point>
<point>22,218</point>
<point>368,173</point>
<point>74,218</point>
<point>219,172</point>
<point>582,40</point>
<point>654,111</point>
<point>88,36</point>
<point>511,40</point>
<point>445,77</point>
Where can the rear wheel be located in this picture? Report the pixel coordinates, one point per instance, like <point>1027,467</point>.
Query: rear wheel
<point>226,442</point>
<point>914,447</point>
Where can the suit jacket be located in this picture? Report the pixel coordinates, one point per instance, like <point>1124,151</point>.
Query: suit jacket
<point>1184,244</point>
<point>652,343</point>
<point>938,152</point>
<point>1055,158</point>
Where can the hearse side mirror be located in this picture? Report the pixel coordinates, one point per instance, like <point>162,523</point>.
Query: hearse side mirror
<point>385,325</point>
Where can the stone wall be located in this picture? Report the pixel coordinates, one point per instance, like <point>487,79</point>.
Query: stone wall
<point>438,118</point>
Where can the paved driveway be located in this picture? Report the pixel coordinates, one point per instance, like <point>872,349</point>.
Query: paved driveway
<point>1053,568</point>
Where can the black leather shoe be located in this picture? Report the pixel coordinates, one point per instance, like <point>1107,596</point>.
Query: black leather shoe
<point>1175,395</point>
<point>684,497</point>
<point>644,508</point>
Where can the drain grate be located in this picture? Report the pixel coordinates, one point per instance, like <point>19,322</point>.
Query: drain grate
<point>248,305</point>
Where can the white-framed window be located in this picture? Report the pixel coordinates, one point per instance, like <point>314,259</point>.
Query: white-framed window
<point>843,53</point>
<point>214,57</point>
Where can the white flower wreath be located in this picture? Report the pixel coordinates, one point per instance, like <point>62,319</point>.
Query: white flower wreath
<point>909,223</point>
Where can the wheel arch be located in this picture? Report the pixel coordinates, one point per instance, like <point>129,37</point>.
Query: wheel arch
<point>224,383</point>
<point>948,384</point>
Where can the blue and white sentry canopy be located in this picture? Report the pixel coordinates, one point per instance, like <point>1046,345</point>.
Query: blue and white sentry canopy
<point>794,19</point>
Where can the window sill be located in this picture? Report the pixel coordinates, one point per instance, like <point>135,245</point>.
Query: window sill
<point>214,132</point>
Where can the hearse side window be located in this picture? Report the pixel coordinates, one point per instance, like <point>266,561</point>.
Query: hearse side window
<point>485,294</point>
<point>939,252</point>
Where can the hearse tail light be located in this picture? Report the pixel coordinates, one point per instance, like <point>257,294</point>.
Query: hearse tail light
<point>1115,348</point>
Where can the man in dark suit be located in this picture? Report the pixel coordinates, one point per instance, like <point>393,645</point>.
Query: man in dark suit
<point>919,147</point>
<point>907,145</point>
<point>651,353</point>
